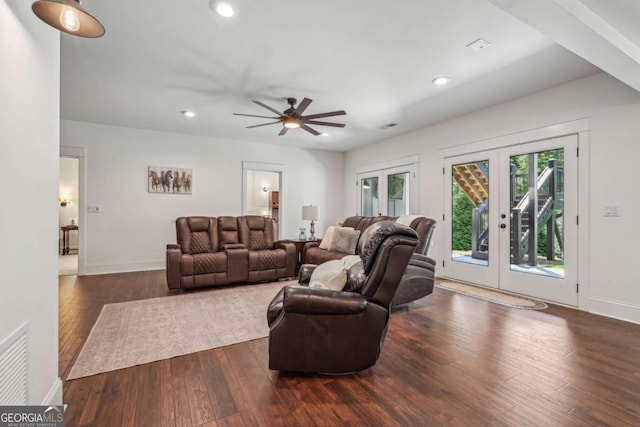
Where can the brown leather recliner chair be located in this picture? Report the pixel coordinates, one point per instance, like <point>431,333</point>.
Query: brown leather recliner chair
<point>326,331</point>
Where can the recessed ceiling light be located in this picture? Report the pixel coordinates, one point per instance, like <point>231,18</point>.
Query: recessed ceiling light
<point>441,80</point>
<point>222,8</point>
<point>188,113</point>
<point>324,134</point>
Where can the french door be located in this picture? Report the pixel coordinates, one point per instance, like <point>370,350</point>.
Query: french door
<point>391,192</point>
<point>511,219</point>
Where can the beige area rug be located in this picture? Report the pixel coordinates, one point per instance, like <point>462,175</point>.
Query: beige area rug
<point>137,332</point>
<point>498,297</point>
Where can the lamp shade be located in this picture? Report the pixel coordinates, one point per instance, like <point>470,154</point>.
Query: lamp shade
<point>68,16</point>
<point>310,213</point>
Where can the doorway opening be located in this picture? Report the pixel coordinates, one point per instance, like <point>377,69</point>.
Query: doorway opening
<point>68,212</point>
<point>262,195</point>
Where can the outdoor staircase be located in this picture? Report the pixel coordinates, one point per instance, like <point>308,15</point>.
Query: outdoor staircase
<point>549,207</point>
<point>473,180</point>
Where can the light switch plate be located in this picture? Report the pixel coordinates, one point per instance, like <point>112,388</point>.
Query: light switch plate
<point>93,209</point>
<point>611,210</point>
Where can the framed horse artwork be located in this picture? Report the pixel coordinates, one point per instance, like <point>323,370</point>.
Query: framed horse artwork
<point>169,180</point>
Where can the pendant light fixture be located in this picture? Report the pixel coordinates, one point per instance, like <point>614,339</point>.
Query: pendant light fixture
<point>68,16</point>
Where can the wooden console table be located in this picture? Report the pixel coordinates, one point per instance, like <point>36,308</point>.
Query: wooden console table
<point>65,237</point>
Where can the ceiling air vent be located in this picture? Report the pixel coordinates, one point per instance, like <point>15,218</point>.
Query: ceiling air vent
<point>478,45</point>
<point>389,125</point>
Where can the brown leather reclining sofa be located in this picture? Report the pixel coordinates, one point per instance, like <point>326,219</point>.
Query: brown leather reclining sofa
<point>219,251</point>
<point>313,254</point>
<point>418,279</point>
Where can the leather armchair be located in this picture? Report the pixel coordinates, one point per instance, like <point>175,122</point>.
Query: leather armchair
<point>326,331</point>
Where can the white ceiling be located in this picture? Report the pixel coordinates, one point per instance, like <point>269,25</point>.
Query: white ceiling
<point>374,59</point>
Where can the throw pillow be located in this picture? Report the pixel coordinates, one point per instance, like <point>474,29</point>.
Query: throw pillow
<point>350,260</point>
<point>345,240</point>
<point>329,275</point>
<point>328,237</point>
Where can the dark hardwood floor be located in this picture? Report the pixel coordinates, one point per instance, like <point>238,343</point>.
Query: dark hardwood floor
<point>448,360</point>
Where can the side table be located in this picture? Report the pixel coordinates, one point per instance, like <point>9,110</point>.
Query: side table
<point>299,246</point>
<point>65,237</point>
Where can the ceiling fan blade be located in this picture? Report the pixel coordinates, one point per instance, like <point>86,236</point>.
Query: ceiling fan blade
<point>308,129</point>
<point>283,131</point>
<point>321,115</point>
<point>263,105</point>
<point>253,115</point>
<point>263,124</point>
<point>302,106</point>
<point>315,122</point>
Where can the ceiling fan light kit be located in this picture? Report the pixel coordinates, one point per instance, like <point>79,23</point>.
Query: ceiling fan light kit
<point>293,117</point>
<point>290,122</point>
<point>68,16</point>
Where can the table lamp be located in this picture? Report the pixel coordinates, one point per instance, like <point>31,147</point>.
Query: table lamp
<point>310,213</point>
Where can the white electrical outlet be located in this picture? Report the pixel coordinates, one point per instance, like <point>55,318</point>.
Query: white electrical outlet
<point>611,210</point>
<point>93,209</point>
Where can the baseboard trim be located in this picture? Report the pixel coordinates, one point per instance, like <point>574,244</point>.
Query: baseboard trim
<point>54,396</point>
<point>91,269</point>
<point>615,309</point>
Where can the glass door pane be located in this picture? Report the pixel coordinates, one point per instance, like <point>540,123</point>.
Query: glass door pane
<point>537,212</point>
<point>398,194</point>
<point>369,196</point>
<point>470,220</point>
<point>470,212</point>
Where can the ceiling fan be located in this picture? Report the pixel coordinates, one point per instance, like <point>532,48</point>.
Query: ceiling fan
<point>292,117</point>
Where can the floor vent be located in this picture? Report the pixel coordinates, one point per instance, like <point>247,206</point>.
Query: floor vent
<point>13,368</point>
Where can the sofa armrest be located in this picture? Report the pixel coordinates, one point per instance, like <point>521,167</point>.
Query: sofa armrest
<point>303,300</point>
<point>173,266</point>
<point>308,246</point>
<point>284,244</point>
<point>292,255</point>
<point>423,261</point>
<point>306,270</point>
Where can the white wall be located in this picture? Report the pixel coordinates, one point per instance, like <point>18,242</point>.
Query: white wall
<point>29,147</point>
<point>134,226</point>
<point>68,185</point>
<point>613,110</point>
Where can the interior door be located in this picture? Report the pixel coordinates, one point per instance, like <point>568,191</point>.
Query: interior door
<point>511,219</point>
